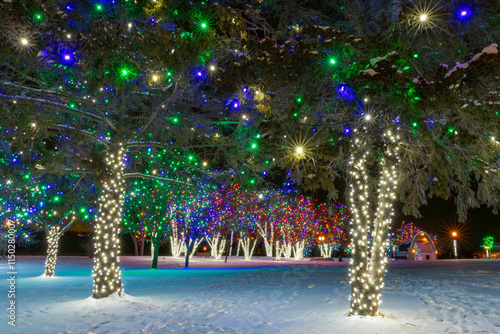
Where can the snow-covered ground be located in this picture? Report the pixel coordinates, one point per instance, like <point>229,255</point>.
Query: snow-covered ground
<point>257,296</point>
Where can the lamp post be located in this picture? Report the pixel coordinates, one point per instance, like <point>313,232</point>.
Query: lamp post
<point>454,234</point>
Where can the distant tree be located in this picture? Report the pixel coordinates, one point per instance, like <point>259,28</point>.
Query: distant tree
<point>104,88</point>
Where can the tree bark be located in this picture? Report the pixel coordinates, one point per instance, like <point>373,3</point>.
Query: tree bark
<point>189,246</point>
<point>156,248</point>
<point>107,275</point>
<point>134,241</point>
<point>141,249</point>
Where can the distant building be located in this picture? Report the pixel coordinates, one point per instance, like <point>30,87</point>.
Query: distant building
<point>493,253</point>
<point>418,247</point>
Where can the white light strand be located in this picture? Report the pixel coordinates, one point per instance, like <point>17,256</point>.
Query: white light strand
<point>247,246</point>
<point>367,269</point>
<point>178,245</point>
<point>107,275</point>
<point>217,245</point>
<point>52,244</point>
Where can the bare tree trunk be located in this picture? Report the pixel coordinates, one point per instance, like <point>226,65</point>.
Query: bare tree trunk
<point>156,248</point>
<point>141,249</point>
<point>134,241</point>
<point>189,245</point>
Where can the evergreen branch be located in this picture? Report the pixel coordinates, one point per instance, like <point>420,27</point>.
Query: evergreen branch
<point>155,113</point>
<point>64,107</point>
<point>40,91</point>
<point>163,145</point>
<point>84,132</point>
<point>157,178</point>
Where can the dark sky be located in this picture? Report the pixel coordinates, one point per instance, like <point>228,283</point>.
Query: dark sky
<point>439,213</point>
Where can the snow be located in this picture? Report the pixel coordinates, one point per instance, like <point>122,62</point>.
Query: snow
<point>492,49</point>
<point>369,71</point>
<point>257,296</point>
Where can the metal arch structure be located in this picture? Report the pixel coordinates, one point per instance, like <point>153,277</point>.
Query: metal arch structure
<point>421,234</point>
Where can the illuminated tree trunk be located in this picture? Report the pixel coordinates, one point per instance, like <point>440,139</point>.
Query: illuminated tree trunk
<point>248,247</point>
<point>298,250</point>
<point>268,238</point>
<point>53,235</point>
<point>238,249</point>
<point>231,244</point>
<point>107,275</point>
<point>370,223</point>
<point>326,250</point>
<point>53,238</point>
<point>178,245</point>
<point>278,251</point>
<point>217,245</point>
<point>286,249</point>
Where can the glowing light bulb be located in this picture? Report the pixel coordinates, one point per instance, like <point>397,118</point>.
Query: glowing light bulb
<point>155,78</point>
<point>24,41</point>
<point>299,150</point>
<point>463,13</point>
<point>212,68</point>
<point>67,57</point>
<point>423,17</point>
<point>368,117</point>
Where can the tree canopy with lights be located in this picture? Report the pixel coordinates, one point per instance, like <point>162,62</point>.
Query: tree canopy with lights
<point>400,98</point>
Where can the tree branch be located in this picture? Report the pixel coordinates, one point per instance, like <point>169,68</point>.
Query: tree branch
<point>65,108</point>
<point>157,178</point>
<point>153,116</point>
<point>84,132</point>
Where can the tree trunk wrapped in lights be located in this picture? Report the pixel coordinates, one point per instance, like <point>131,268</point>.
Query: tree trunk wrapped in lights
<point>178,246</point>
<point>278,251</point>
<point>326,250</point>
<point>247,246</point>
<point>107,276</point>
<point>287,249</point>
<point>370,226</point>
<point>267,235</point>
<point>298,249</point>
<point>53,234</point>
<point>217,245</point>
<point>52,245</point>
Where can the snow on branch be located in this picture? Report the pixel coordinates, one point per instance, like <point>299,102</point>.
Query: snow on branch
<point>492,49</point>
